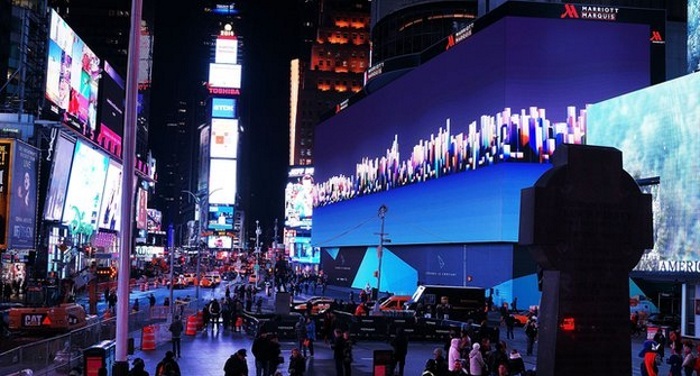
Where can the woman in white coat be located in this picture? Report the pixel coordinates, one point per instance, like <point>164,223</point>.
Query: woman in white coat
<point>453,354</point>
<point>476,361</point>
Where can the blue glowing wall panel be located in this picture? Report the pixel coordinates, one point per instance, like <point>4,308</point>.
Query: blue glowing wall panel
<point>507,95</point>
<point>693,35</point>
<point>657,131</point>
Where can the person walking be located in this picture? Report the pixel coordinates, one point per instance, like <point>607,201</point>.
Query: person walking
<point>260,352</point>
<point>168,366</point>
<point>510,324</point>
<point>338,345</point>
<point>477,366</point>
<point>531,333</point>
<point>300,331</point>
<point>400,346</point>
<point>297,363</point>
<point>236,364</point>
<point>310,336</point>
<point>176,328</point>
<point>139,368</point>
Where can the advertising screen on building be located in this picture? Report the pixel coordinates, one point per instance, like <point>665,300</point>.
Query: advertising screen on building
<point>155,220</point>
<point>224,108</point>
<point>85,187</point>
<point>693,35</point>
<point>441,157</point>
<point>21,228</point>
<point>226,50</point>
<point>58,185</point>
<point>220,217</point>
<point>224,138</point>
<point>111,111</point>
<point>657,131</point>
<point>110,210</point>
<point>219,242</point>
<point>226,76</point>
<point>72,75</point>
<point>5,155</point>
<point>222,181</point>
<point>298,198</point>
<point>204,137</point>
<point>141,209</point>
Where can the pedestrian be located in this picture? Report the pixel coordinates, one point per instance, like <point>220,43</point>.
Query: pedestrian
<point>453,354</point>
<point>516,363</point>
<point>531,334</point>
<point>441,367</point>
<point>430,368</point>
<point>151,300</point>
<point>400,346</point>
<point>139,368</point>
<point>338,345</point>
<point>676,363</point>
<point>310,336</point>
<point>136,305</point>
<point>259,349</point>
<point>168,366</point>
<point>274,355</point>
<point>297,363</point>
<point>236,364</point>
<point>510,324</point>
<point>688,358</point>
<point>477,366</point>
<point>214,313</point>
<point>300,331</point>
<point>176,328</point>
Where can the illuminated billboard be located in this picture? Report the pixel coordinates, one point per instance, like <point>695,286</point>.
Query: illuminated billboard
<point>222,181</point>
<point>219,242</point>
<point>141,209</point>
<point>223,108</point>
<point>220,217</point>
<point>657,131</point>
<point>155,220</point>
<point>21,223</point>
<point>204,137</point>
<point>85,187</point>
<point>110,210</point>
<point>227,76</point>
<point>226,51</point>
<point>60,171</point>
<point>73,71</point>
<point>298,198</point>
<point>5,155</point>
<point>224,138</point>
<point>450,163</point>
<point>111,111</point>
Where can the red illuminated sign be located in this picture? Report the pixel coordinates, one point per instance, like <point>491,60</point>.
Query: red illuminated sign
<point>450,42</point>
<point>224,91</point>
<point>656,37</point>
<point>568,324</point>
<point>570,11</point>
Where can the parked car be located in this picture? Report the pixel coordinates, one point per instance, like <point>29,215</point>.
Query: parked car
<point>664,319</point>
<point>318,304</point>
<point>394,303</point>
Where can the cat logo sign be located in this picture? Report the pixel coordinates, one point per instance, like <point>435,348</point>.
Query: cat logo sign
<point>34,320</point>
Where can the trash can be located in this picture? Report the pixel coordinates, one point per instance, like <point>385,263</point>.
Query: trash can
<point>100,355</point>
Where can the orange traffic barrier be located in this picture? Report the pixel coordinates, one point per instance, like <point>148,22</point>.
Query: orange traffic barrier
<point>200,320</point>
<point>148,338</point>
<point>191,328</point>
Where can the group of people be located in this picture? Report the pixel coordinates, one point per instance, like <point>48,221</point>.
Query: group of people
<point>682,359</point>
<point>470,354</point>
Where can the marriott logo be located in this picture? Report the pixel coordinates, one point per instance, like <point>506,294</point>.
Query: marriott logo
<point>590,13</point>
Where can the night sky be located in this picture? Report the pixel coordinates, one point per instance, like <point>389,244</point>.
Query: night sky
<point>270,32</point>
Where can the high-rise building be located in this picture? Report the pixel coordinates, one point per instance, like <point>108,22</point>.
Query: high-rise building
<point>339,56</point>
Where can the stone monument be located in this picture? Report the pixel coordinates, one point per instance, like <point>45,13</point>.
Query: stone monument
<point>587,224</point>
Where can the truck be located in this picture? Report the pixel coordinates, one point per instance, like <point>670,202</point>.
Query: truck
<point>467,303</point>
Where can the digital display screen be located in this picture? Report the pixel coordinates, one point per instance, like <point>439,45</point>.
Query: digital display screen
<point>142,209</point>
<point>222,181</point>
<point>298,198</point>
<point>226,50</point>
<point>225,75</point>
<point>155,220</point>
<point>657,131</point>
<point>110,211</point>
<point>224,138</point>
<point>223,108</point>
<point>219,242</point>
<point>476,124</point>
<point>693,35</point>
<point>220,217</point>
<point>85,187</point>
<point>111,111</point>
<point>60,172</point>
<point>22,219</point>
<point>204,137</point>
<point>302,251</point>
<point>73,71</point>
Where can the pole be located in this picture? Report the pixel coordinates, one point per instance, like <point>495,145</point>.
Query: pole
<point>380,253</point>
<point>171,247</point>
<point>257,253</point>
<point>121,364</point>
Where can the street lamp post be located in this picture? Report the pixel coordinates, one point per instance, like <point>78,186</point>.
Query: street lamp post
<point>258,232</point>
<point>380,251</point>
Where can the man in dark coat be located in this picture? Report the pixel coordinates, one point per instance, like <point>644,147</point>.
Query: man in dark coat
<point>400,346</point>
<point>236,364</point>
